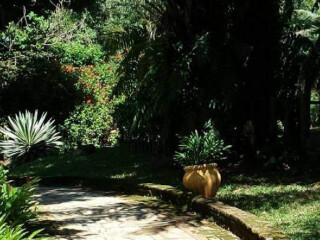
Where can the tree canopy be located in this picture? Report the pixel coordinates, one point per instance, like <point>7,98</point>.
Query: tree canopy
<point>154,70</point>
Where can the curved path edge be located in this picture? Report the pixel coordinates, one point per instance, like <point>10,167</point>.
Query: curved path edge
<point>241,223</point>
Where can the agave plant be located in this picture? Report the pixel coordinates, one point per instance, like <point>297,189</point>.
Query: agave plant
<point>28,136</point>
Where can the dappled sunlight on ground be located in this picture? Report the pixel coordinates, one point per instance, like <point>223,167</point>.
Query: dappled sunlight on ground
<point>80,214</point>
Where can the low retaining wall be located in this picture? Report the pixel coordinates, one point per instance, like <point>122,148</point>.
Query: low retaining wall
<point>243,224</point>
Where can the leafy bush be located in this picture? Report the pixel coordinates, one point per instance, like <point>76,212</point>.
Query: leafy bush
<point>15,233</point>
<point>76,53</point>
<point>79,47</point>
<point>90,125</point>
<point>29,136</point>
<point>202,148</point>
<point>31,54</point>
<point>17,204</point>
<point>16,207</point>
<point>92,121</point>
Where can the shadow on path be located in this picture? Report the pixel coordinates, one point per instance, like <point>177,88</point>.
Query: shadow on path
<point>79,214</point>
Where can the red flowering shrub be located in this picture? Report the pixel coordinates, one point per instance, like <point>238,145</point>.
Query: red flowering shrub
<point>92,121</point>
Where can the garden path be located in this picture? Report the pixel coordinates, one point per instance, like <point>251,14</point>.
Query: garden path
<point>72,213</point>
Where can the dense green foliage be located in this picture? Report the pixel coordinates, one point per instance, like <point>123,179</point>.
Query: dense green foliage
<point>17,204</point>
<point>17,207</point>
<point>15,233</point>
<point>168,67</point>
<point>56,64</point>
<point>92,121</point>
<point>206,147</point>
<point>29,136</point>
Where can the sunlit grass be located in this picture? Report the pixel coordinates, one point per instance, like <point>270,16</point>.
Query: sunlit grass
<point>293,208</point>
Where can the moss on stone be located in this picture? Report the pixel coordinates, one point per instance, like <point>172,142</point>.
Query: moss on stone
<point>243,224</point>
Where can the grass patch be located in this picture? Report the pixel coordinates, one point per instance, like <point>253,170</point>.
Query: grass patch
<point>292,207</point>
<point>291,204</point>
<point>116,163</point>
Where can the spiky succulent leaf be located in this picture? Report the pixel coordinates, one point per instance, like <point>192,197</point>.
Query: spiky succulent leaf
<point>29,135</point>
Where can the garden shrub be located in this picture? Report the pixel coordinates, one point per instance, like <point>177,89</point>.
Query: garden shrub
<point>78,54</point>
<point>17,203</point>
<point>17,206</point>
<point>15,233</point>
<point>92,121</point>
<point>90,124</point>
<point>57,63</point>
<point>31,57</point>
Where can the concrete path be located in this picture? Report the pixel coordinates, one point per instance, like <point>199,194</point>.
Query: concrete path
<point>80,214</point>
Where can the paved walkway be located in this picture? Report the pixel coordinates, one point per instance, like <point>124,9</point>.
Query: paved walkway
<point>79,214</point>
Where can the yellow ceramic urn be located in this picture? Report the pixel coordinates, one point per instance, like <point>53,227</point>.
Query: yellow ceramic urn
<point>204,179</point>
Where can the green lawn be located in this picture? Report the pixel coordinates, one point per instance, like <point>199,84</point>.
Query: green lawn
<point>292,207</point>
<point>288,203</point>
<point>117,162</point>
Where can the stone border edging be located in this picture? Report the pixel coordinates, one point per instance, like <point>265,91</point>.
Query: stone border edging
<point>243,224</point>
<point>239,222</point>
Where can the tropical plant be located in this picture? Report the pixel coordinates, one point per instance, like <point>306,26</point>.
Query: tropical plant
<point>17,206</point>
<point>17,203</point>
<point>15,233</point>
<point>29,136</point>
<point>201,148</point>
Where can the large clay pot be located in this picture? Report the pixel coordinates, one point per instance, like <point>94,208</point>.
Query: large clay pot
<point>192,179</point>
<point>204,179</point>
